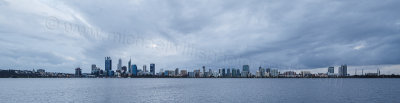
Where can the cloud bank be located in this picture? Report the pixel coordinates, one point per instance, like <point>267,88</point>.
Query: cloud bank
<point>299,34</point>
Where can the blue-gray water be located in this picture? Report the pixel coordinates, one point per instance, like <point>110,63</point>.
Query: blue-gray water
<point>229,90</point>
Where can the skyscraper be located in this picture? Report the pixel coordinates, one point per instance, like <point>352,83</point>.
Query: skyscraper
<point>129,66</point>
<point>177,72</point>
<point>144,68</point>
<point>119,66</point>
<point>228,72</point>
<point>246,68</point>
<point>210,72</point>
<point>262,71</point>
<point>245,71</point>
<point>93,69</point>
<point>153,69</point>
<point>108,66</point>
<point>223,72</point>
<point>331,70</point>
<point>78,72</point>
<point>134,70</point>
<point>234,72</point>
<point>343,70</point>
<point>204,71</point>
<point>237,72</point>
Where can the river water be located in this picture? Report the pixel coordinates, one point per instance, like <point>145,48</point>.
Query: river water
<point>199,90</point>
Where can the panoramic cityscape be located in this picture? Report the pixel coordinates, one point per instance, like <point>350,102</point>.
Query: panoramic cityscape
<point>199,51</point>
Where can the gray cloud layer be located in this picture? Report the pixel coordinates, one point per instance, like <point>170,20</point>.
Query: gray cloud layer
<point>60,35</point>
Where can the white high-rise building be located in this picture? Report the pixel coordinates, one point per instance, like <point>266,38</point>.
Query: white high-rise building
<point>119,66</point>
<point>343,70</point>
<point>144,68</point>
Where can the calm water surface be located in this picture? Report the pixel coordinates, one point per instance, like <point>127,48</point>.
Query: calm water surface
<point>186,90</point>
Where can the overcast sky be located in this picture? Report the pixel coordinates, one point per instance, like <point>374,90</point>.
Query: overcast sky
<point>285,34</point>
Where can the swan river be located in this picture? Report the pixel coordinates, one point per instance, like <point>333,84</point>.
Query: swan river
<point>199,90</point>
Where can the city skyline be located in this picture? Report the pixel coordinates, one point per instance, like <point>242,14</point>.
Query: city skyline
<point>134,72</point>
<point>352,70</point>
<point>337,70</point>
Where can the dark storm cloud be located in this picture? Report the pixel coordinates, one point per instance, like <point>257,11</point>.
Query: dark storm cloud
<point>38,56</point>
<point>321,36</point>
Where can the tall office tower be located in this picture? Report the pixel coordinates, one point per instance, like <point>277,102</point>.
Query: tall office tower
<point>223,72</point>
<point>228,72</point>
<point>78,72</point>
<point>119,66</point>
<point>134,70</point>
<point>108,66</point>
<point>267,72</point>
<point>331,70</point>
<point>144,68</point>
<point>238,72</point>
<point>129,66</point>
<point>262,71</point>
<point>177,72</point>
<point>234,72</point>
<point>204,71</point>
<point>153,69</point>
<point>246,70</point>
<point>343,70</point>
<point>210,72</point>
<point>94,68</point>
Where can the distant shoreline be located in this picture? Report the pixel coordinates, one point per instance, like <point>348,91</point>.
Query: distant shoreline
<point>213,78</point>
